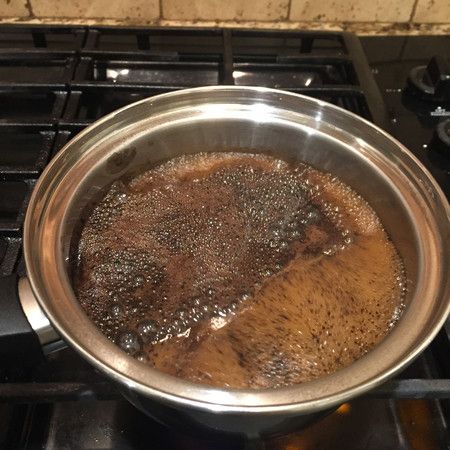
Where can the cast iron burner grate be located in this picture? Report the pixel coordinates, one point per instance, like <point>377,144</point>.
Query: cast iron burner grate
<point>56,80</point>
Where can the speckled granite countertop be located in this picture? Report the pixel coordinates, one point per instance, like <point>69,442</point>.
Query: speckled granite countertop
<point>361,28</point>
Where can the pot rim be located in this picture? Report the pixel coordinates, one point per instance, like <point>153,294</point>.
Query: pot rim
<point>41,225</point>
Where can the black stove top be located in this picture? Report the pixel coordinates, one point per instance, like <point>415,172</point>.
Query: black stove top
<point>56,80</point>
<point>414,114</point>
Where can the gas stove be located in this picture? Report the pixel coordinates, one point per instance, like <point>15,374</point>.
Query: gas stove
<point>54,81</point>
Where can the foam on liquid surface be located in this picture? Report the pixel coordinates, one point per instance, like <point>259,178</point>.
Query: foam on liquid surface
<point>238,270</point>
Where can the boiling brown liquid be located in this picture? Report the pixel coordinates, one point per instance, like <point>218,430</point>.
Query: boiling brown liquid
<point>239,270</point>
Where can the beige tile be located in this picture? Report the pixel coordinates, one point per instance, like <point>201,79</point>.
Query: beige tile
<point>432,11</point>
<point>352,10</point>
<point>13,8</point>
<point>225,9</point>
<point>111,9</point>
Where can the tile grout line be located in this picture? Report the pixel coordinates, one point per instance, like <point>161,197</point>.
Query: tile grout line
<point>413,12</point>
<point>161,10</point>
<point>288,15</point>
<point>29,8</point>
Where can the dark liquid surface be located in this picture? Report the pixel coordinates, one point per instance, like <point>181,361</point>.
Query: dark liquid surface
<point>239,270</point>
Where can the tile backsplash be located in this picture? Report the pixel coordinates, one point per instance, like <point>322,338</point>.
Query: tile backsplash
<point>266,12</point>
<point>111,9</point>
<point>352,10</point>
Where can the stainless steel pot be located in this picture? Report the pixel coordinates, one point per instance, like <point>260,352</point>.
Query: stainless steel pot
<point>409,202</point>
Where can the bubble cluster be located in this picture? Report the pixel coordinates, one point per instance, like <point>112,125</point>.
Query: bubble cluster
<point>129,341</point>
<point>182,257</point>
